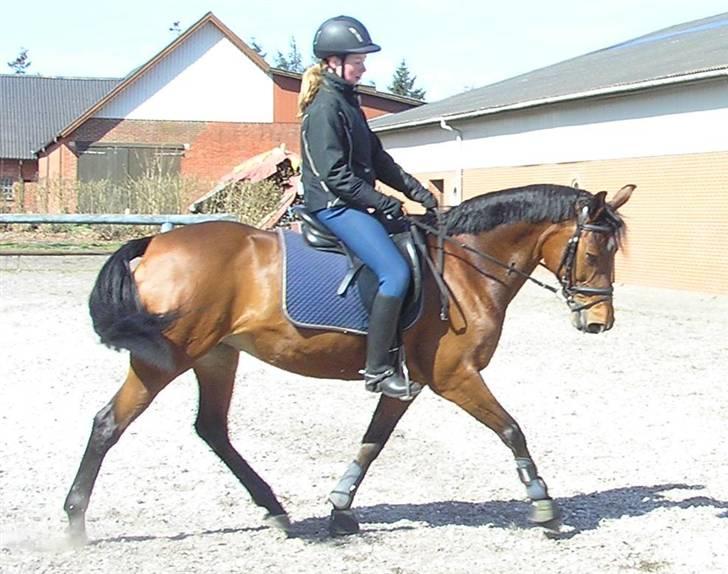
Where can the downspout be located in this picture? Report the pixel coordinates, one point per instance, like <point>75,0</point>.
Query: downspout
<point>60,163</point>
<point>457,195</point>
<point>20,200</point>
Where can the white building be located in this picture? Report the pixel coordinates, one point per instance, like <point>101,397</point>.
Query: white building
<point>652,111</point>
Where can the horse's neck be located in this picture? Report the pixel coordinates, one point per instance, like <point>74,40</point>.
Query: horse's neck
<point>517,245</point>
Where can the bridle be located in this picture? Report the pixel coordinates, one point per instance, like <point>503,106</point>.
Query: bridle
<point>567,267</point>
<point>565,271</point>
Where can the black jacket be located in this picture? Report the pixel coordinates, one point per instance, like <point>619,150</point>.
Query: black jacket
<point>342,157</point>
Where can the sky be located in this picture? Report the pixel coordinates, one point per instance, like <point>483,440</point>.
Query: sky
<point>449,45</point>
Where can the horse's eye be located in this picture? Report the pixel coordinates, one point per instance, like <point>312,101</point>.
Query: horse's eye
<point>591,259</point>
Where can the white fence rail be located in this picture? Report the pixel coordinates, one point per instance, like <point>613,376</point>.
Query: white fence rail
<point>167,221</point>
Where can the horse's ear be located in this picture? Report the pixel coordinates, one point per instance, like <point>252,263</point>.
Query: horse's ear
<point>622,196</point>
<point>597,205</point>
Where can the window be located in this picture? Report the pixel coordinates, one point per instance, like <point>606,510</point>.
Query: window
<point>6,188</point>
<point>118,163</point>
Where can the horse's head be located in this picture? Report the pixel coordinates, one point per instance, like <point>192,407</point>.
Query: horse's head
<point>581,254</point>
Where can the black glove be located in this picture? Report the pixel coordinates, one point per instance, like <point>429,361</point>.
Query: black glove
<point>390,206</point>
<point>423,196</point>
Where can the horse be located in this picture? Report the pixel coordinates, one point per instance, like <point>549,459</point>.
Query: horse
<point>196,296</point>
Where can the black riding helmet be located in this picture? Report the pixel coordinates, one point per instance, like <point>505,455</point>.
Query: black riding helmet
<point>341,36</point>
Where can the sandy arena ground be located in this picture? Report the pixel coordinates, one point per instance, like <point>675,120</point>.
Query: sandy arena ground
<point>628,428</point>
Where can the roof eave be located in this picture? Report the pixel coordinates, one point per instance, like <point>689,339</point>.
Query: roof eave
<point>19,158</point>
<point>285,73</point>
<point>600,92</point>
<point>371,91</point>
<point>365,90</point>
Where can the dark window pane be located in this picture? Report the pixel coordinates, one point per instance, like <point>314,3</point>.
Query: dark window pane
<point>119,163</point>
<point>109,163</point>
<point>6,188</point>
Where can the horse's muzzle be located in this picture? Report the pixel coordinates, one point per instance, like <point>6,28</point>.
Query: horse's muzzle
<point>588,322</point>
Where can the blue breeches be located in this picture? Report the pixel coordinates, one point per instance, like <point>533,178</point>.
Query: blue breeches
<point>368,240</point>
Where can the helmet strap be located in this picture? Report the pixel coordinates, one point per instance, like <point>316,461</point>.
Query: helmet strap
<point>342,58</point>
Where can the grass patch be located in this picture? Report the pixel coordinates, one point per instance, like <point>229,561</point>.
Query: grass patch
<point>38,247</point>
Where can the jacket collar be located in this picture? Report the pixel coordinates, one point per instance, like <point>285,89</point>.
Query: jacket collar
<point>340,85</point>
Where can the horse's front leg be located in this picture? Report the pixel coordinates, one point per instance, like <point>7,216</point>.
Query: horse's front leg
<point>469,391</point>
<point>386,416</point>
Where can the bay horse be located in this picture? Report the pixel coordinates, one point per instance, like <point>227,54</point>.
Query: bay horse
<point>201,294</point>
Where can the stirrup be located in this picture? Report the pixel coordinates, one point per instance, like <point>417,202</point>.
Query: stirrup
<point>373,383</point>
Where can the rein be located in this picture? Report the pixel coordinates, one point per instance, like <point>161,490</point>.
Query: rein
<point>568,287</point>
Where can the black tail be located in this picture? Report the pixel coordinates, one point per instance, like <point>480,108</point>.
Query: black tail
<point>118,315</point>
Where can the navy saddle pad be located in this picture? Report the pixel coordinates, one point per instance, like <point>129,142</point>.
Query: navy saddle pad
<point>310,281</point>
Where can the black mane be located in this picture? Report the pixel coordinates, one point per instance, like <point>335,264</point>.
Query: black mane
<point>531,203</point>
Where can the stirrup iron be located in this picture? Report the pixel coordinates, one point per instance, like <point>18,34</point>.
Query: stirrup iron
<point>373,381</point>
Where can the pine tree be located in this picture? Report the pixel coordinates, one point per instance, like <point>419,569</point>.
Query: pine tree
<point>20,64</point>
<point>292,61</point>
<point>403,83</point>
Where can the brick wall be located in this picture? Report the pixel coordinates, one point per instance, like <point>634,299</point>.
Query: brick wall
<point>24,174</point>
<point>677,217</point>
<point>219,147</point>
<point>212,148</point>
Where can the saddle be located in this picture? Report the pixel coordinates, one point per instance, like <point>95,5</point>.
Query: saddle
<point>316,235</point>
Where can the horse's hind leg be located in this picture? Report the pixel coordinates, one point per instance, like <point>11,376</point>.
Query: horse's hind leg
<point>473,395</point>
<point>386,416</point>
<point>216,376</point>
<point>142,384</point>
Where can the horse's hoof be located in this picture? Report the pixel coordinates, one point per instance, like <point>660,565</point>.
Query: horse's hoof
<point>77,536</point>
<point>544,513</point>
<point>552,527</point>
<point>280,521</point>
<point>343,523</point>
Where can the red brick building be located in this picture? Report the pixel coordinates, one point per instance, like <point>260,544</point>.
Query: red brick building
<point>201,106</point>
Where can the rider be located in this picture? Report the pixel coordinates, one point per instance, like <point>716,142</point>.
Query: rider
<point>342,158</point>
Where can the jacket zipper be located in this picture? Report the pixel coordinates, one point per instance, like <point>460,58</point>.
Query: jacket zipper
<point>347,129</point>
<point>310,159</point>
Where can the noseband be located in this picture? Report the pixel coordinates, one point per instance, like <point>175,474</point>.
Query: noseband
<point>567,267</point>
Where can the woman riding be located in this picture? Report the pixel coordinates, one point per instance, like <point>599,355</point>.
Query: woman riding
<point>342,158</point>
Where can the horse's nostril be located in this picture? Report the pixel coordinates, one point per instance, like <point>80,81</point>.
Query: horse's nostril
<point>594,328</point>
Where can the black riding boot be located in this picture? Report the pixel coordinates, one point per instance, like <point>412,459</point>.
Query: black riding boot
<point>380,373</point>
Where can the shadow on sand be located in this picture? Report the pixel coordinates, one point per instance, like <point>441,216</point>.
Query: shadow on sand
<point>579,513</point>
<point>181,536</point>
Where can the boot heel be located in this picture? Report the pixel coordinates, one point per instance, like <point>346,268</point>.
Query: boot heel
<point>403,394</point>
<point>392,385</point>
<point>373,382</point>
<point>372,386</point>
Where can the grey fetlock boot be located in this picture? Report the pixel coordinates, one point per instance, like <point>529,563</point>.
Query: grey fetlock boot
<point>380,373</point>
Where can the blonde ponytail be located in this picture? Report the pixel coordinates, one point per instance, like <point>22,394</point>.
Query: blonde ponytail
<point>310,84</point>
